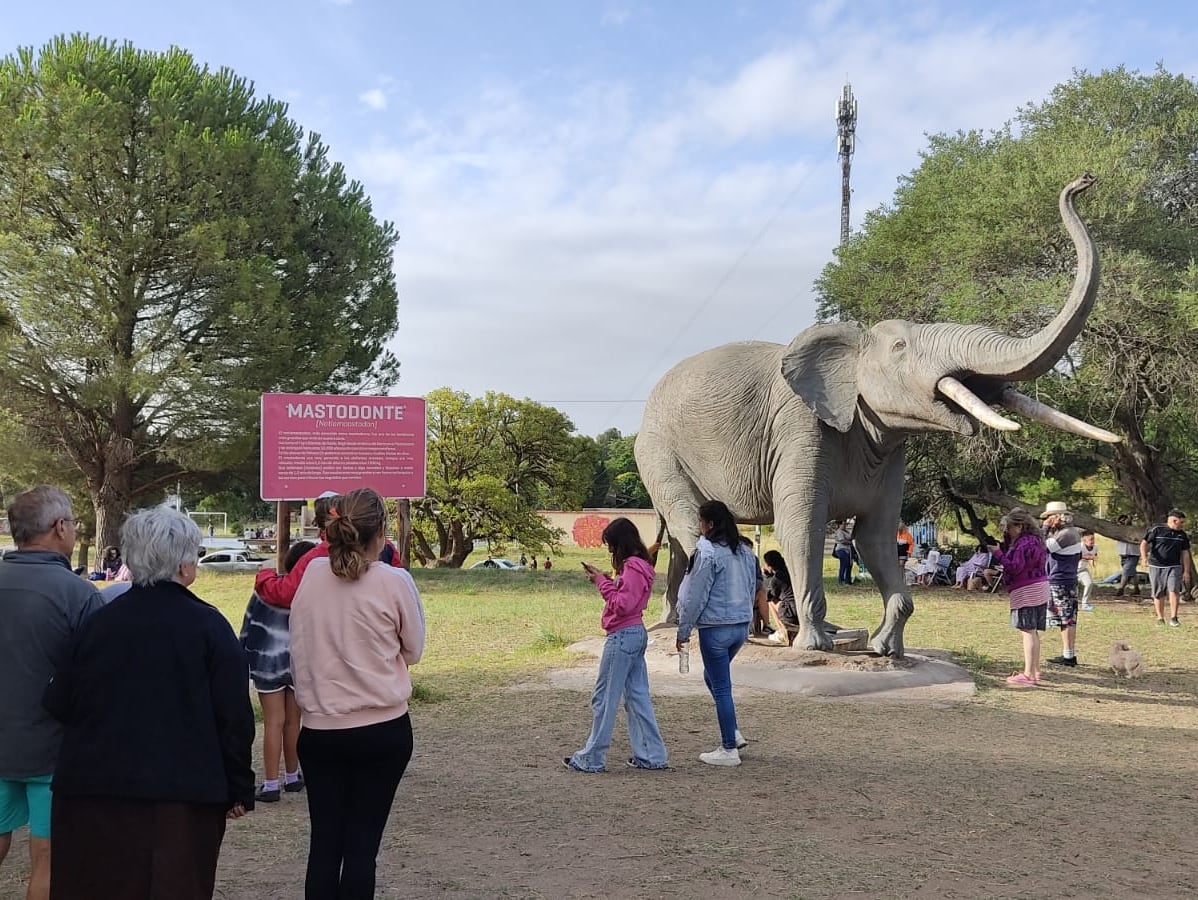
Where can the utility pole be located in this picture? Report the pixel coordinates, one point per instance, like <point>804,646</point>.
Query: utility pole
<point>846,140</point>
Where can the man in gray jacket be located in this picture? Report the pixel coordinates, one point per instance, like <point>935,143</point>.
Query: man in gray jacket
<point>42,604</point>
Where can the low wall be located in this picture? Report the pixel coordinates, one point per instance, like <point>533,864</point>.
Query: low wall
<point>583,528</point>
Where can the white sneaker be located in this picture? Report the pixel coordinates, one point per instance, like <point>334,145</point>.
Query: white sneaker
<point>777,638</point>
<point>1087,607</point>
<point>721,757</point>
<point>741,743</point>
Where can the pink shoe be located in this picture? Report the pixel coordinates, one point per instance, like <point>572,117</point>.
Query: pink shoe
<point>1037,679</point>
<point>1020,680</point>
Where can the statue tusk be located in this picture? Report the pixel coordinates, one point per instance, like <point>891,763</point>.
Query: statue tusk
<point>1037,411</point>
<point>972,404</point>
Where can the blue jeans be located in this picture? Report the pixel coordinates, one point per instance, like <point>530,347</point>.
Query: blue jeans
<point>622,674</point>
<point>719,645</point>
<point>846,565</point>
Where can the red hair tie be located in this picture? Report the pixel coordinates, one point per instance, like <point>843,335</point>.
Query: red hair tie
<point>333,514</point>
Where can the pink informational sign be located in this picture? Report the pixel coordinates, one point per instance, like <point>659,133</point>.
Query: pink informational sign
<point>312,443</point>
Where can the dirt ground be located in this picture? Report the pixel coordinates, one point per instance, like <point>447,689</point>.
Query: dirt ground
<point>1085,788</point>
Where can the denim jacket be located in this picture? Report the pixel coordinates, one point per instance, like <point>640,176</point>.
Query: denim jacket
<point>718,590</point>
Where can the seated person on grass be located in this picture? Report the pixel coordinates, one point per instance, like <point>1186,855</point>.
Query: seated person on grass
<point>973,568</point>
<point>781,597</point>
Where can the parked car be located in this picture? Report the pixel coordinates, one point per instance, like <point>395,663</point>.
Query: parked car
<point>233,561</point>
<point>505,564</point>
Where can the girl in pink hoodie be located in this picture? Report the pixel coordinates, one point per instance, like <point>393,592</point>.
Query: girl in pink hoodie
<point>622,671</point>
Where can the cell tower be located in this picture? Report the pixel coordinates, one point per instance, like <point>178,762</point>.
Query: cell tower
<point>846,140</point>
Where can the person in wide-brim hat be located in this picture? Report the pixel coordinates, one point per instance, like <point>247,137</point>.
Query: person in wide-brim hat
<point>1055,508</point>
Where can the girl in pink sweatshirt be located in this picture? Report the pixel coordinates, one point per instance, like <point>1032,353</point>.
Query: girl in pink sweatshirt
<point>622,671</point>
<point>356,626</point>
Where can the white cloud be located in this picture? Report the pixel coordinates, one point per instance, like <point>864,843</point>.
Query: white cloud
<point>615,16</point>
<point>576,253</point>
<point>375,99</point>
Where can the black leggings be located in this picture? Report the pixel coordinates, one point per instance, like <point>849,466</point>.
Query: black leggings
<point>351,776</point>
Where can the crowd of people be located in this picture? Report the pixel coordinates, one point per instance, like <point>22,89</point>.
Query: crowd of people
<point>524,563</point>
<point>135,773</point>
<point>1044,562</point>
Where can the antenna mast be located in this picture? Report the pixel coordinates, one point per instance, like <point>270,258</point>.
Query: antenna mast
<point>846,140</point>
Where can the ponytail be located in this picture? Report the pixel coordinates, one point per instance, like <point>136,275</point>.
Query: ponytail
<point>352,527</point>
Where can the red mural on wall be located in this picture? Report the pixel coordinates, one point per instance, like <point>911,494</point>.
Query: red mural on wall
<point>588,530</point>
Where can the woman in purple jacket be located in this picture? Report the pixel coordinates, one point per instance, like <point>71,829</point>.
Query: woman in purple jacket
<point>622,671</point>
<point>1024,561</point>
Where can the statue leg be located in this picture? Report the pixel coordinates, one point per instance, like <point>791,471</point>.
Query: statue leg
<point>677,501</point>
<point>875,541</point>
<point>679,557</point>
<point>802,541</point>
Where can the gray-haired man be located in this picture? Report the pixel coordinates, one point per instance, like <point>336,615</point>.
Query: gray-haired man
<point>42,604</point>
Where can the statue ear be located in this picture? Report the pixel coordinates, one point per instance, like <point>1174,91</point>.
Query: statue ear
<point>820,365</point>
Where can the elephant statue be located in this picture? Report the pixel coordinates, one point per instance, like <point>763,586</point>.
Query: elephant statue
<point>797,435</point>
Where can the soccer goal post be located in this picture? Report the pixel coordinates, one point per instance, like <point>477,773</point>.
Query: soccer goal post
<point>208,520</point>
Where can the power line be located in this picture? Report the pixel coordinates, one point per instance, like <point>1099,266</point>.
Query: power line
<point>552,402</point>
<point>761,232</point>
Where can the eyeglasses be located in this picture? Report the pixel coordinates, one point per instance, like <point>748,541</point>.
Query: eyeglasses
<point>75,523</point>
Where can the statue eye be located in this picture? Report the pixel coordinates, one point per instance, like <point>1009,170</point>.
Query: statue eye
<point>900,344</point>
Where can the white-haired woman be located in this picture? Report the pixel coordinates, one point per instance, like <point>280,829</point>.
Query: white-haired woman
<point>159,731</point>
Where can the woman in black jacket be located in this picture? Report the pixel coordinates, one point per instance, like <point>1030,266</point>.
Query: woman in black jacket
<point>158,731</point>
<point>781,598</point>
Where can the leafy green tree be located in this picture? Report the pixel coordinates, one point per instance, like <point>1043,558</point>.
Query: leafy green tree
<point>617,480</point>
<point>172,246</point>
<point>493,461</point>
<point>23,464</point>
<point>973,235</point>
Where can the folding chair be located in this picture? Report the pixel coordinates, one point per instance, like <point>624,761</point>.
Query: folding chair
<point>943,574</point>
<point>997,580</point>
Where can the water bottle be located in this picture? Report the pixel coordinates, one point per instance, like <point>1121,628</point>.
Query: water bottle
<point>684,660</point>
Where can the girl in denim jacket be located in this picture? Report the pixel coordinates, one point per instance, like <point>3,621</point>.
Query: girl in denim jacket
<point>717,598</point>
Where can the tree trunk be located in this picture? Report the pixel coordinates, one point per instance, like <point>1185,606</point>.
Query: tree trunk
<point>84,552</point>
<point>977,525</point>
<point>1105,527</point>
<point>455,551</point>
<point>424,552</point>
<point>111,498</point>
<point>1137,469</point>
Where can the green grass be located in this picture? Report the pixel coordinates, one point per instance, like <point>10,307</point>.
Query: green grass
<point>485,627</point>
<point>491,628</point>
<point>980,665</point>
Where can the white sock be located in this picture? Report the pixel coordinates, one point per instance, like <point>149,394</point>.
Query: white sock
<point>1069,654</point>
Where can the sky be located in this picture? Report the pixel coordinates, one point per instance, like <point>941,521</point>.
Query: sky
<point>587,193</point>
